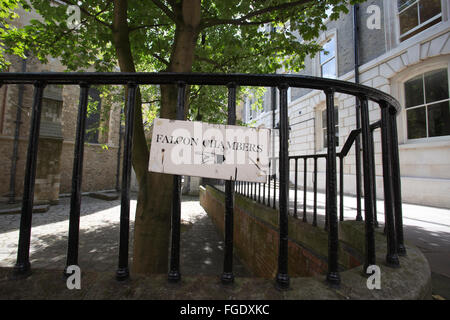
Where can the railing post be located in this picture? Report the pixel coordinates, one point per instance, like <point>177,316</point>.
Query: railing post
<point>264,194</point>
<point>123,272</point>
<point>77,174</point>
<point>341,188</point>
<point>333,276</point>
<point>374,180</point>
<point>315,193</point>
<point>174,272</point>
<point>282,278</point>
<point>396,178</point>
<point>386,140</point>
<point>296,186</point>
<point>368,185</point>
<point>268,188</point>
<point>358,162</point>
<point>259,192</point>
<point>23,267</point>
<point>227,275</point>
<point>305,168</point>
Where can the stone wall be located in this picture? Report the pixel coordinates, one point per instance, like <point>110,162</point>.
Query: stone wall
<point>99,167</point>
<point>54,171</point>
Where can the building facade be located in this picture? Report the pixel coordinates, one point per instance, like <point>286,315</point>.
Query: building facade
<point>57,134</point>
<point>403,49</point>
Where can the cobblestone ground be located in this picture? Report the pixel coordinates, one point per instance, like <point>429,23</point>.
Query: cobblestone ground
<point>201,244</point>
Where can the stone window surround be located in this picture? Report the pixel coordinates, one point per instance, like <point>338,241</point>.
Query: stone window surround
<point>318,110</point>
<point>398,91</point>
<point>324,37</point>
<point>393,24</point>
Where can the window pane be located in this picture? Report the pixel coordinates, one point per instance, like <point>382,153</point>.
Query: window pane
<point>324,117</point>
<point>417,127</point>
<point>93,116</point>
<point>324,126</point>
<point>436,85</point>
<point>414,92</point>
<point>330,48</point>
<point>402,4</point>
<point>439,119</point>
<point>329,69</point>
<point>429,9</point>
<point>408,19</point>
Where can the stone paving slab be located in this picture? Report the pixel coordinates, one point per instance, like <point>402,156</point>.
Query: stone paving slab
<point>201,244</point>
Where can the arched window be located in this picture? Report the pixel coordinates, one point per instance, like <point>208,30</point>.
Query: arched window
<point>427,105</point>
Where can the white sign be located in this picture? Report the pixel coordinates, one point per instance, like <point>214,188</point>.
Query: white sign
<point>210,150</point>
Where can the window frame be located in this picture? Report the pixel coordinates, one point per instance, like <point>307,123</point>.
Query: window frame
<point>323,39</point>
<point>320,142</point>
<point>411,33</point>
<point>423,105</point>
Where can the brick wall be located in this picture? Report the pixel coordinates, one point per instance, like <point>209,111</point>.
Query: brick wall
<point>256,238</point>
<point>99,168</point>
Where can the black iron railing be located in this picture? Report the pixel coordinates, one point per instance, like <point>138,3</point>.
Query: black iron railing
<point>389,107</point>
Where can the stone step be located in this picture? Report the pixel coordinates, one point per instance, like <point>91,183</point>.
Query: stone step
<point>18,210</point>
<point>108,196</point>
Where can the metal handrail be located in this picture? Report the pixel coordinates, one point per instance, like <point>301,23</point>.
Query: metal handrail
<point>389,106</point>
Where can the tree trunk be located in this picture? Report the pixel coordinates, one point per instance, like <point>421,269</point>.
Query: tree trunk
<point>153,212</point>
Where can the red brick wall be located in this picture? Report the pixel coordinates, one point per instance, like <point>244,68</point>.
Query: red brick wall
<point>256,238</point>
<point>256,242</point>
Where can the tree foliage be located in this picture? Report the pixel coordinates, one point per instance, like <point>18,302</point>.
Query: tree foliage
<point>232,36</point>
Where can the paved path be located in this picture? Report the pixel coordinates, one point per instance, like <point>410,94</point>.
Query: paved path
<point>202,247</point>
<point>201,244</point>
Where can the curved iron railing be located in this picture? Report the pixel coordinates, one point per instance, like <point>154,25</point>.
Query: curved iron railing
<point>391,177</point>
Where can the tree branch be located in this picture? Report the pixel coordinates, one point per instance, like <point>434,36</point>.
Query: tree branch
<point>169,13</point>
<point>134,28</point>
<point>243,20</point>
<point>86,12</point>
<point>160,59</point>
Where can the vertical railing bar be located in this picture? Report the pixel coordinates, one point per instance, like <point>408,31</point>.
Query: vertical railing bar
<point>368,185</point>
<point>401,249</point>
<point>374,181</point>
<point>296,186</point>
<point>227,275</point>
<point>341,188</point>
<point>122,272</point>
<point>268,183</point>
<point>264,194</point>
<point>77,174</point>
<point>259,192</point>
<point>315,193</point>
<point>333,277</point>
<point>274,190</point>
<point>391,256</point>
<point>174,272</point>
<point>305,186</point>
<point>23,266</point>
<point>358,162</point>
<point>282,278</point>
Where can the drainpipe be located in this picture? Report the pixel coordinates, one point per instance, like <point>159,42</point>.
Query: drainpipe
<point>14,158</point>
<point>358,112</point>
